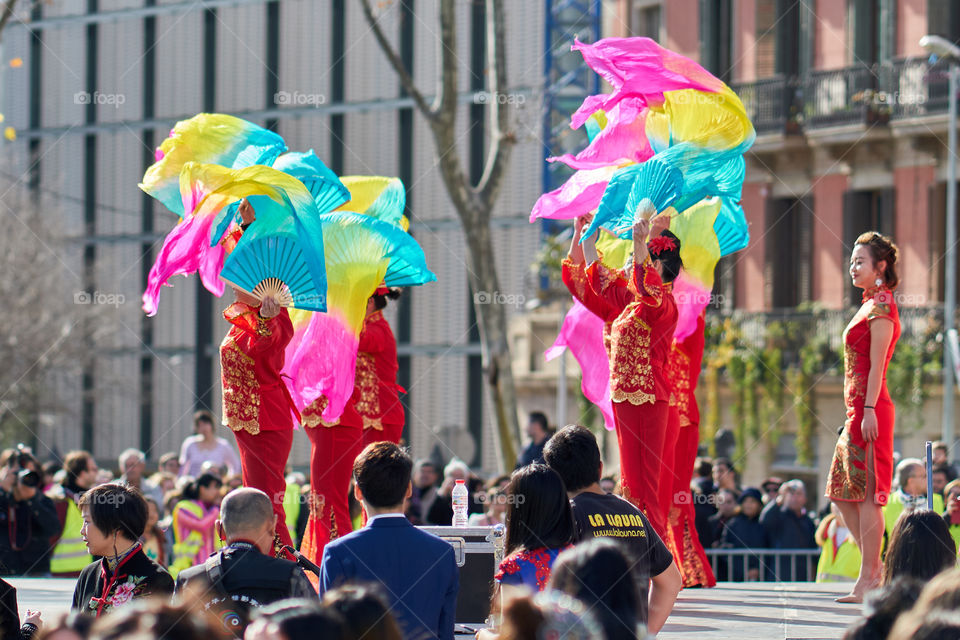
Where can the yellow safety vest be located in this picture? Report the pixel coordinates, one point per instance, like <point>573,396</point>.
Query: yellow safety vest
<point>844,566</point>
<point>185,551</point>
<point>291,507</point>
<point>70,555</point>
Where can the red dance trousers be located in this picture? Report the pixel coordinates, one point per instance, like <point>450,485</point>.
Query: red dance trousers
<point>641,430</point>
<point>332,454</point>
<point>263,460</point>
<point>693,563</point>
<point>390,433</point>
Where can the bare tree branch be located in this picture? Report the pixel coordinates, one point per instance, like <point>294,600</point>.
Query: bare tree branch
<point>501,140</point>
<point>405,78</point>
<point>8,7</point>
<point>449,73</point>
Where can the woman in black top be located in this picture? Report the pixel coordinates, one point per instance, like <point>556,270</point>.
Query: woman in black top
<point>114,517</point>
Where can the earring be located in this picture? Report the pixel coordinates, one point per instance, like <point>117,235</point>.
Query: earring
<point>878,282</point>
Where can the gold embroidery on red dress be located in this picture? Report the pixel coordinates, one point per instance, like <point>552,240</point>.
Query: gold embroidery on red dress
<point>241,393</point>
<point>312,414</point>
<point>368,392</point>
<point>693,571</point>
<point>678,371</point>
<point>631,374</point>
<point>578,278</point>
<point>848,471</point>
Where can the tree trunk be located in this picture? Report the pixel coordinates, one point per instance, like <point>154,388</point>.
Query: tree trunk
<point>492,321</point>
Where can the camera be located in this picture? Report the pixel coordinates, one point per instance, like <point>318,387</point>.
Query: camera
<point>28,478</point>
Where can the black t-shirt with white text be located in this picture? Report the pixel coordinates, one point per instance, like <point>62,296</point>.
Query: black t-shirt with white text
<point>610,516</point>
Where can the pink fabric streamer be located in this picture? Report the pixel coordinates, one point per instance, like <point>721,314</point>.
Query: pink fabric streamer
<point>578,195</point>
<point>639,67</point>
<point>691,298</point>
<point>582,333</point>
<point>321,361</point>
<point>622,140</point>
<point>186,249</point>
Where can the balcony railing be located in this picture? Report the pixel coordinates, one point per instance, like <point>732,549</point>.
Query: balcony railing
<point>896,90</point>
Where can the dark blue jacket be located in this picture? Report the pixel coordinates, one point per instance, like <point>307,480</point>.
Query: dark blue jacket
<point>416,571</point>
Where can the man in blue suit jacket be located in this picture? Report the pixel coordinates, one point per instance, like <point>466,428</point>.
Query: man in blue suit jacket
<point>416,571</point>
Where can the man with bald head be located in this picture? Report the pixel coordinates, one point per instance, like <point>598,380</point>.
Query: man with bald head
<point>244,574</point>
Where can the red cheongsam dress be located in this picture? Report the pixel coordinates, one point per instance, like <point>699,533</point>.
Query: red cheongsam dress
<point>848,472</point>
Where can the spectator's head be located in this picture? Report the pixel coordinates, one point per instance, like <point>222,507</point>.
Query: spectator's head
<point>382,471</point>
<point>132,463</point>
<point>366,613</point>
<point>940,453</point>
<point>608,484</point>
<point>703,468</point>
<point>203,423</point>
<point>751,502</point>
<point>941,476</point>
<point>153,513</point>
<point>938,624</point>
<point>170,463</point>
<point>912,477</point>
<point>247,514</point>
<point>920,546</point>
<point>573,453</point>
<point>426,474</point>
<point>770,488</point>
<point>81,469</point>
<point>538,510</point>
<point>206,489</point>
<point>66,626</point>
<point>943,592</point>
<point>724,474</point>
<point>726,503</point>
<point>598,574</point>
<point>537,426</point>
<point>951,495</point>
<point>114,517</point>
<point>164,481</point>
<point>794,495</point>
<point>300,619</point>
<point>882,607</point>
<point>549,615</point>
<point>456,469</point>
<point>155,619</point>
<point>19,458</point>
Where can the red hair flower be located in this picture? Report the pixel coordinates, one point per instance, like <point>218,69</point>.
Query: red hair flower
<point>660,244</point>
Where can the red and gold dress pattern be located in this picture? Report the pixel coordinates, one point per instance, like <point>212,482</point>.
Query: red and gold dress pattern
<point>848,471</point>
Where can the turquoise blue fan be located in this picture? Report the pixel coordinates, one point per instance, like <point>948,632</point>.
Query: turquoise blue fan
<point>281,255</point>
<point>653,181</point>
<point>323,184</point>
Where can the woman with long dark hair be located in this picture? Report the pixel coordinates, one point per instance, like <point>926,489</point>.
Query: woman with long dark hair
<point>539,526</point>
<point>920,547</point>
<point>598,574</point>
<point>862,468</point>
<point>194,518</point>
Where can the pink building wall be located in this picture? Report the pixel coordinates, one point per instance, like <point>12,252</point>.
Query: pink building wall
<point>912,232</point>
<point>682,27</point>
<point>830,44</point>
<point>829,254</point>
<point>911,26</point>
<point>749,289</point>
<point>745,43</point>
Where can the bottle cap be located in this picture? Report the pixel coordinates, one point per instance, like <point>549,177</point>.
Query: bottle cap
<point>461,481</point>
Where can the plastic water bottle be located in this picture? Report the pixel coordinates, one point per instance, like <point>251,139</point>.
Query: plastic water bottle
<point>460,504</point>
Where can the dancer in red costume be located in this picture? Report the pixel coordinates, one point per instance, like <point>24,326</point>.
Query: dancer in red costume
<point>373,413</point>
<point>683,371</point>
<point>256,403</point>
<point>640,317</point>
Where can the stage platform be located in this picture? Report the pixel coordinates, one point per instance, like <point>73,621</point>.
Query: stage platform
<point>738,611</point>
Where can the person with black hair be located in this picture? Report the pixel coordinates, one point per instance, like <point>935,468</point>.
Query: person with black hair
<point>302,619</point>
<point>374,413</point>
<point>365,612</point>
<point>417,571</point>
<point>882,608</point>
<point>539,526</point>
<point>574,454</point>
<point>538,430</point>
<point>114,517</point>
<point>194,519</point>
<point>597,573</point>
<point>920,546</point>
<point>28,519</point>
<point>640,316</point>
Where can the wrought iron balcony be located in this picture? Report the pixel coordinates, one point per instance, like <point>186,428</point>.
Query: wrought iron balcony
<point>773,104</point>
<point>844,96</point>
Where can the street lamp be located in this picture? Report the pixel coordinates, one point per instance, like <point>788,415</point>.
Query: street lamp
<point>939,47</point>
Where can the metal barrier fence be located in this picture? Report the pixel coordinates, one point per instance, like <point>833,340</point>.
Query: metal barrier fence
<point>764,565</point>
